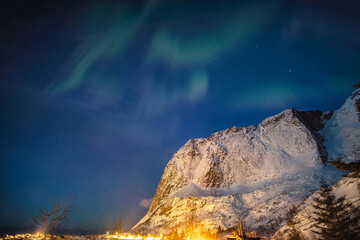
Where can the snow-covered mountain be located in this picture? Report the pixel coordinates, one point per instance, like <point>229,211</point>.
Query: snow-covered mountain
<point>255,172</point>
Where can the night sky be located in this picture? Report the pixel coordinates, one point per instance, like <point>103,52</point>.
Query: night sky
<point>96,96</point>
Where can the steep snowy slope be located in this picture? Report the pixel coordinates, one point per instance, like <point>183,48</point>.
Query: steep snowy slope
<point>253,172</point>
<point>348,187</point>
<point>342,131</point>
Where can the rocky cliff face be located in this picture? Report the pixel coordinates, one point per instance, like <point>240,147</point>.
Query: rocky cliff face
<point>253,172</point>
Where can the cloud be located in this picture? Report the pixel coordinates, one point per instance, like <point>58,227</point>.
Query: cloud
<point>320,24</point>
<point>156,96</point>
<point>98,44</point>
<point>146,202</point>
<point>266,97</point>
<point>176,50</point>
<point>198,85</point>
<point>283,94</point>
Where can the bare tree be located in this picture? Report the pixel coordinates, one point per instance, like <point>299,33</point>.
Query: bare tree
<point>50,219</point>
<point>118,225</point>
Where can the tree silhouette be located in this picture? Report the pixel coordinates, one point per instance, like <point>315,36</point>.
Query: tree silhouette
<point>118,225</point>
<point>334,218</point>
<point>290,220</point>
<point>50,219</point>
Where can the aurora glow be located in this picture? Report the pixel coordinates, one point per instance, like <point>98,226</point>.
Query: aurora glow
<point>96,96</point>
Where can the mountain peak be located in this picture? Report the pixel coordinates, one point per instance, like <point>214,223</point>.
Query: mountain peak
<point>250,171</point>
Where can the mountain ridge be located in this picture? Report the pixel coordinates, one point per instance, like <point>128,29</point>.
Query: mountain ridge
<point>280,162</point>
